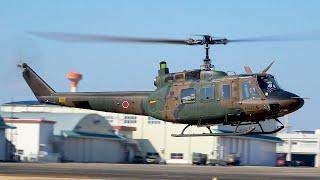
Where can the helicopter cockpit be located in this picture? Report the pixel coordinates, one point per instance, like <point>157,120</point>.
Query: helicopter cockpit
<point>267,84</point>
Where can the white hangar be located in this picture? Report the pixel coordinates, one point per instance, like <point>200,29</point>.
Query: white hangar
<point>67,137</point>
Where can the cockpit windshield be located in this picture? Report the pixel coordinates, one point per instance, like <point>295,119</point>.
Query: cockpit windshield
<point>268,84</point>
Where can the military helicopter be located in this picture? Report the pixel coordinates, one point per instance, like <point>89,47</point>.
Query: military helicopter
<point>202,97</point>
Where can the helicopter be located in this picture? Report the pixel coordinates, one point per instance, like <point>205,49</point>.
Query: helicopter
<point>202,97</point>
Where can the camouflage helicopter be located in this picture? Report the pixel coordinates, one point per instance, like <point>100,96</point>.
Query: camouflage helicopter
<point>201,97</point>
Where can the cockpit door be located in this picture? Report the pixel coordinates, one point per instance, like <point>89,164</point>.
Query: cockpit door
<point>229,93</point>
<point>251,96</point>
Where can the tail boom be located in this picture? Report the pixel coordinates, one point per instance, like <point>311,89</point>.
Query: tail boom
<point>128,102</point>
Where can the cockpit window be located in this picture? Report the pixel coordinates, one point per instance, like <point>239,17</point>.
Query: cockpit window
<point>268,84</point>
<point>249,91</point>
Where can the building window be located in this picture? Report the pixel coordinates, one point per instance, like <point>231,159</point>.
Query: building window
<point>226,92</point>
<point>20,152</point>
<point>176,156</point>
<point>206,93</point>
<point>152,120</point>
<point>130,119</point>
<point>188,95</point>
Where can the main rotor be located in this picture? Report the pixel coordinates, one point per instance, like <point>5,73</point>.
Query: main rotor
<point>205,41</point>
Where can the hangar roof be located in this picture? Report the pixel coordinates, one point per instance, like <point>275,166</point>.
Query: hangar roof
<point>3,125</point>
<point>91,135</point>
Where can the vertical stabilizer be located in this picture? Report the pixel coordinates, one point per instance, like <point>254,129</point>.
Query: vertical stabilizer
<point>38,86</point>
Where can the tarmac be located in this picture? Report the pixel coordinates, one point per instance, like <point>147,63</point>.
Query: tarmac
<point>63,171</point>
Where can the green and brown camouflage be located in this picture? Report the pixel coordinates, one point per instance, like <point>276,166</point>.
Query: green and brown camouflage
<point>196,97</point>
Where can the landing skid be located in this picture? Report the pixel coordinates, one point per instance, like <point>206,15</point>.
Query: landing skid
<point>235,133</point>
<point>215,134</point>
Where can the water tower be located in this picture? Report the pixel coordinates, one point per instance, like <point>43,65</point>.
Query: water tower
<point>74,78</point>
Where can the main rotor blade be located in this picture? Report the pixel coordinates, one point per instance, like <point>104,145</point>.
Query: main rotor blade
<point>310,36</point>
<point>71,37</point>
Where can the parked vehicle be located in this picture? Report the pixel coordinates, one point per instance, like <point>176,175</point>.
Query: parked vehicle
<point>138,159</point>
<point>281,162</point>
<point>217,162</point>
<point>152,158</point>
<point>229,160</point>
<point>199,158</point>
<point>233,159</point>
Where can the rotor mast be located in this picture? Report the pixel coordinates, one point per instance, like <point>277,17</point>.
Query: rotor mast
<point>207,41</point>
<point>207,61</point>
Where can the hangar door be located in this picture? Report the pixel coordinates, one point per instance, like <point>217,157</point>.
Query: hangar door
<point>308,159</point>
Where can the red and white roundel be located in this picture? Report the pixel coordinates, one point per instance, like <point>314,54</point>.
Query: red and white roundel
<point>125,104</point>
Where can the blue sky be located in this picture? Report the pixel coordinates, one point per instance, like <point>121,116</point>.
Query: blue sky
<point>112,67</point>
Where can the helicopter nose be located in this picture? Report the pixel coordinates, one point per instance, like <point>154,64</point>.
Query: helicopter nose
<point>293,103</point>
<point>288,101</point>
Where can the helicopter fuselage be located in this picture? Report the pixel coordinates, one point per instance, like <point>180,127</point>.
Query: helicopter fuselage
<point>197,97</point>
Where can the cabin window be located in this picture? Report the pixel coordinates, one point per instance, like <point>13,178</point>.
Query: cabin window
<point>188,95</point>
<point>226,92</point>
<point>249,91</point>
<point>206,93</point>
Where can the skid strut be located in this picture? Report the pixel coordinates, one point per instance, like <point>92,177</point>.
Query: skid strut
<point>279,128</point>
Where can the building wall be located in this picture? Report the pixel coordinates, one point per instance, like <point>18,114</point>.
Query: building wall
<point>156,137</point>
<point>262,153</point>
<point>45,139</point>
<point>92,150</point>
<point>251,151</point>
<point>300,143</point>
<point>2,145</point>
<point>26,139</point>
